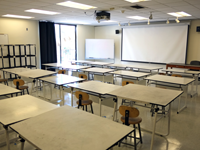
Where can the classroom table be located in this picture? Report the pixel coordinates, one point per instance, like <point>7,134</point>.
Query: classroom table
<point>14,71</point>
<point>182,83</point>
<point>147,95</point>
<point>35,74</point>
<point>19,108</point>
<point>94,87</point>
<point>68,128</point>
<point>95,63</point>
<point>57,65</point>
<point>102,71</point>
<point>181,65</point>
<point>60,80</point>
<point>130,74</point>
<point>7,90</point>
<point>195,75</point>
<point>117,66</point>
<point>150,68</point>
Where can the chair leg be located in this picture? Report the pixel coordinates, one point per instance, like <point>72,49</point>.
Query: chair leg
<point>91,108</point>
<point>135,144</point>
<point>140,133</point>
<point>27,91</point>
<point>23,92</point>
<point>78,106</point>
<point>83,107</point>
<point>86,107</point>
<point>7,83</point>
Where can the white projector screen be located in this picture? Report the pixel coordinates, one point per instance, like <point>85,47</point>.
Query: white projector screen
<point>99,49</point>
<point>156,44</point>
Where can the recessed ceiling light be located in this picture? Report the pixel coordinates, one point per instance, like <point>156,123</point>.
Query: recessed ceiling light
<point>76,5</point>
<point>17,16</point>
<point>135,1</point>
<point>42,12</point>
<point>179,14</point>
<point>137,17</point>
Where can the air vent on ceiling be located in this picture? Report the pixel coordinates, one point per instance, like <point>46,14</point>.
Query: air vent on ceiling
<point>137,7</point>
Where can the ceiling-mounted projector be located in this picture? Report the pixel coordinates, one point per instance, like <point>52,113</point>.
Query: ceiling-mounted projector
<point>103,15</point>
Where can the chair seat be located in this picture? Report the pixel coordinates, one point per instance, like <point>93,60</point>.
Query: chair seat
<point>23,87</point>
<point>3,80</point>
<point>85,102</point>
<point>136,120</point>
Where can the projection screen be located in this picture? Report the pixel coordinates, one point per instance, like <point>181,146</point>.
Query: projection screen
<point>156,44</point>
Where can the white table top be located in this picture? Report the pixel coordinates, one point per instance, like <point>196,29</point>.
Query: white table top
<point>117,65</point>
<point>66,66</point>
<point>61,79</point>
<point>130,73</point>
<point>5,90</point>
<point>80,61</point>
<point>98,70</point>
<point>16,70</point>
<point>146,94</point>
<point>68,128</point>
<point>95,86</point>
<point>19,108</point>
<point>53,64</point>
<point>185,71</point>
<point>98,63</point>
<point>36,73</point>
<point>145,67</point>
<point>170,79</point>
<point>75,67</point>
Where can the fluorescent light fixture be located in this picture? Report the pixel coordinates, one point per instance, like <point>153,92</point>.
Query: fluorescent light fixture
<point>17,16</point>
<point>179,14</point>
<point>109,21</point>
<point>137,17</point>
<point>76,5</point>
<point>42,12</point>
<point>135,1</point>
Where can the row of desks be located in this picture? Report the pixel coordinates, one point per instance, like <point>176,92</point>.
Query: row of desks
<point>48,127</point>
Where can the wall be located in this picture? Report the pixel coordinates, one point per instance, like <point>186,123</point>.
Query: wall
<point>108,32</point>
<point>16,30</point>
<point>193,53</point>
<point>83,32</point>
<point>193,42</point>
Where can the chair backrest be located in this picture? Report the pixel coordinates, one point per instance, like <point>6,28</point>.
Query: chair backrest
<point>61,71</point>
<point>162,73</point>
<point>84,95</point>
<point>82,76</point>
<point>127,82</point>
<point>176,75</point>
<point>133,112</point>
<point>20,81</point>
<point>195,62</point>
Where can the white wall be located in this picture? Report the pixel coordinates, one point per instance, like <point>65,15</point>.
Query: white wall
<point>108,32</point>
<point>83,32</point>
<point>16,30</point>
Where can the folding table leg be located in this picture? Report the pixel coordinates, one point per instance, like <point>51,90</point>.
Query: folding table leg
<point>22,144</point>
<point>62,95</point>
<point>100,105</point>
<point>115,108</point>
<point>154,127</point>
<point>103,77</point>
<point>185,91</point>
<point>72,96</point>
<point>7,137</point>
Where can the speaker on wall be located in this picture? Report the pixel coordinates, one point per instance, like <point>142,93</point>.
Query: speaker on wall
<point>198,28</point>
<point>117,31</point>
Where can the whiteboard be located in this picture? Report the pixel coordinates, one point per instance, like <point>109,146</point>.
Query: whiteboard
<point>99,49</point>
<point>156,44</point>
<point>4,39</point>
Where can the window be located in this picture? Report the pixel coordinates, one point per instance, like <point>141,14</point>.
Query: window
<point>65,43</point>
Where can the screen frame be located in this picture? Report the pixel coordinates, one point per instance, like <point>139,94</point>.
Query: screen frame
<point>145,62</point>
